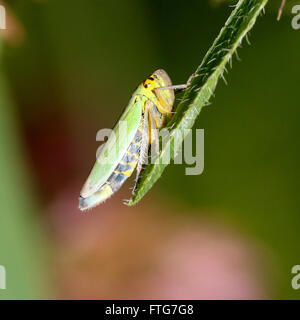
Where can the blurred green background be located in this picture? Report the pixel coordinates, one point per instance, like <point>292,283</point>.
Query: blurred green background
<point>68,68</point>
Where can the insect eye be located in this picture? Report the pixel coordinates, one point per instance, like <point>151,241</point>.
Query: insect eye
<point>147,83</point>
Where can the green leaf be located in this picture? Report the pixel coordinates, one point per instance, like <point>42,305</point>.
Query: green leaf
<point>202,86</point>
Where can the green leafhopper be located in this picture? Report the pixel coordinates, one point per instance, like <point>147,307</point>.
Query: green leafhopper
<point>126,150</point>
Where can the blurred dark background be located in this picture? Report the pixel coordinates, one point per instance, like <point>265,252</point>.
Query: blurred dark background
<point>68,68</point>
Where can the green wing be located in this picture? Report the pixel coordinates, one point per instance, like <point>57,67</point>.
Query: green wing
<point>116,145</point>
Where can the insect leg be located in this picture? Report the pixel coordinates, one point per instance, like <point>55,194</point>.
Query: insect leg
<point>143,155</point>
<point>155,123</point>
<point>179,86</point>
<point>280,9</point>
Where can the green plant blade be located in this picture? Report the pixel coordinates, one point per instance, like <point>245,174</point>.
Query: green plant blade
<point>202,86</point>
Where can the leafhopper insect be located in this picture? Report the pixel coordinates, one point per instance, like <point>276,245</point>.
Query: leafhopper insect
<point>149,108</point>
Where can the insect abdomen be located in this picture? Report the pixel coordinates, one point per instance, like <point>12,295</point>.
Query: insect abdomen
<point>127,165</point>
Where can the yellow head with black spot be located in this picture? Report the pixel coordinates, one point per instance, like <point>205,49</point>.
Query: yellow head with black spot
<point>150,83</point>
<point>165,97</point>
